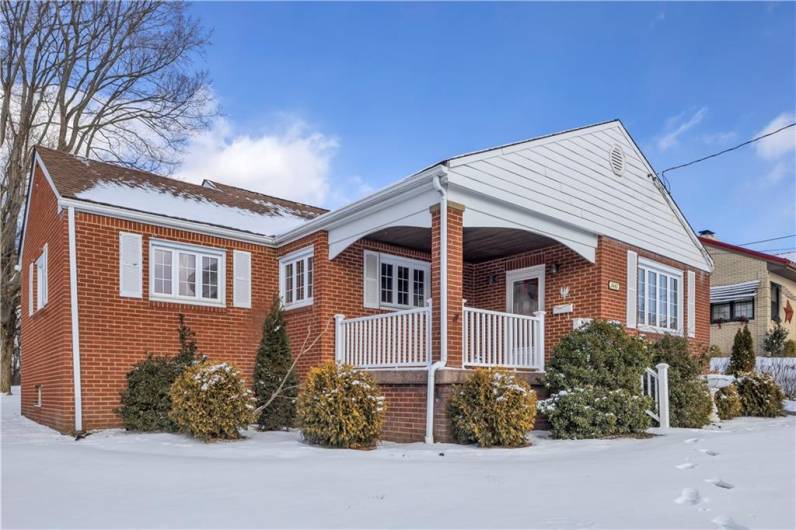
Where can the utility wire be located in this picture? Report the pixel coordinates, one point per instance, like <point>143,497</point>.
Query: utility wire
<point>766,240</point>
<point>714,155</point>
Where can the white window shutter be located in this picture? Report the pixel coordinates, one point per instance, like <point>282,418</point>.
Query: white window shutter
<point>371,279</point>
<point>30,289</point>
<point>242,279</point>
<point>691,304</point>
<point>130,265</point>
<point>632,287</point>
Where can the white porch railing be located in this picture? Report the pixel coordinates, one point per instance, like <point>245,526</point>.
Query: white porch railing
<point>492,338</point>
<point>401,339</point>
<point>656,385</point>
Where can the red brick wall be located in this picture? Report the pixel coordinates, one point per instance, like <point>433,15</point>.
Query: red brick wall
<point>46,335</point>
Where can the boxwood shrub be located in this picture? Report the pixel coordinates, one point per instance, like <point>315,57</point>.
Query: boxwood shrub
<point>728,402</point>
<point>690,403</point>
<point>760,395</point>
<point>493,408</point>
<point>145,403</point>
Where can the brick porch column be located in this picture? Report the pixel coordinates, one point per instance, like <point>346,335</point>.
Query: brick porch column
<point>455,272</point>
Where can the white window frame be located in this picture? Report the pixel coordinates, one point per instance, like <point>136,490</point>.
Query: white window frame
<point>198,252</point>
<point>670,273</point>
<point>412,265</point>
<point>301,255</point>
<point>42,294</point>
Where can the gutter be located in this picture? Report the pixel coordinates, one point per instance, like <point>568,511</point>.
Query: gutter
<point>443,305</point>
<point>75,322</point>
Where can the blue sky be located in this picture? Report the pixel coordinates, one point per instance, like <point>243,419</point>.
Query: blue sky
<point>324,102</point>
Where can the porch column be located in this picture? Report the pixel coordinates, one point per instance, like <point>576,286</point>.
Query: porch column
<point>454,288</point>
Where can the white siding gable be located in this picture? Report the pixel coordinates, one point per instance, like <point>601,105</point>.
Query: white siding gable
<point>568,177</point>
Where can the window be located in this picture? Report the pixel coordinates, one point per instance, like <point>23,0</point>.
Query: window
<point>738,311</point>
<point>41,280</point>
<point>659,297</point>
<point>186,273</point>
<point>296,278</point>
<point>402,282</point>
<point>39,390</point>
<point>776,295</point>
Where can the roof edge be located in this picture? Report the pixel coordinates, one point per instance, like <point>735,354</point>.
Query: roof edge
<point>749,252</point>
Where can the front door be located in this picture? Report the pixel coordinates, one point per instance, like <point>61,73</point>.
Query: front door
<point>525,290</point>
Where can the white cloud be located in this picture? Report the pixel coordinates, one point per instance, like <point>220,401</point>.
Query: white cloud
<point>779,144</point>
<point>780,170</point>
<point>292,161</point>
<point>678,125</point>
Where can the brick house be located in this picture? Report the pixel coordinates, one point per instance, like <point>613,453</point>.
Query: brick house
<point>529,240</point>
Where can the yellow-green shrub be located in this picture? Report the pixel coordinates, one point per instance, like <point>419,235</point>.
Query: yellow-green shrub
<point>209,400</point>
<point>728,402</point>
<point>493,407</point>
<point>340,407</point>
<point>760,395</point>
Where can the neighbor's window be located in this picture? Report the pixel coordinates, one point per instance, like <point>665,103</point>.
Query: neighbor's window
<point>403,282</point>
<point>296,278</point>
<point>659,297</point>
<point>776,294</point>
<point>186,273</point>
<point>740,310</point>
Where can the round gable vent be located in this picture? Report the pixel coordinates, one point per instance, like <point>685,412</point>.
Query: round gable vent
<point>617,160</point>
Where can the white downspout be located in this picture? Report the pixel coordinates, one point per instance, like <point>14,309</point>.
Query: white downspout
<point>75,323</point>
<point>443,306</point>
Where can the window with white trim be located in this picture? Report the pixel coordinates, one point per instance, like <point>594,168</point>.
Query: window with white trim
<point>403,282</point>
<point>186,273</point>
<point>659,297</point>
<point>41,280</point>
<point>296,278</point>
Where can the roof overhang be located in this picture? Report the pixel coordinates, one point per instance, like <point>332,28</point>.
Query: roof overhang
<point>734,292</point>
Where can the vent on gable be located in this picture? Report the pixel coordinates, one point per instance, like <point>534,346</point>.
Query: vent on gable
<point>617,160</point>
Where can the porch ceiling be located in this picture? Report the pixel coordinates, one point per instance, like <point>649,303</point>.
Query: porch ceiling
<point>480,243</point>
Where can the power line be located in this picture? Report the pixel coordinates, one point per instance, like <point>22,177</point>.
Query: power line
<point>766,240</point>
<point>714,155</point>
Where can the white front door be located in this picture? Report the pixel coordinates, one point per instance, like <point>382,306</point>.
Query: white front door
<point>525,290</point>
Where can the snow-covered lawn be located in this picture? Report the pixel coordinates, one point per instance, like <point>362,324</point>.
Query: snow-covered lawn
<point>739,475</point>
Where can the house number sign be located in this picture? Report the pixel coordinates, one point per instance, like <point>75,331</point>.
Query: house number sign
<point>614,286</point>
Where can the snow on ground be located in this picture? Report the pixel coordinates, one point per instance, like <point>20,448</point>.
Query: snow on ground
<point>740,475</point>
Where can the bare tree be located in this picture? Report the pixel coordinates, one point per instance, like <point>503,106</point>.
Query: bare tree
<point>110,80</point>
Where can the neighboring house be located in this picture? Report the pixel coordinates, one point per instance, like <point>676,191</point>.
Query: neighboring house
<point>528,241</point>
<point>749,287</point>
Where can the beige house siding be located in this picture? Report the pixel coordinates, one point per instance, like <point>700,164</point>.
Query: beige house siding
<point>788,293</point>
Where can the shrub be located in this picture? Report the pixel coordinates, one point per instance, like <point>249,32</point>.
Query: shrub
<point>774,343</point>
<point>274,377</point>
<point>340,407</point>
<point>600,355</point>
<point>596,413</point>
<point>189,353</point>
<point>714,351</point>
<point>790,348</point>
<point>728,402</point>
<point>760,395</point>
<point>742,357</point>
<point>146,402</point>
<point>210,401</point>
<point>689,397</point>
<point>493,408</point>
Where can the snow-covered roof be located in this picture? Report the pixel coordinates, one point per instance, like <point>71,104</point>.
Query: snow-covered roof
<point>212,203</point>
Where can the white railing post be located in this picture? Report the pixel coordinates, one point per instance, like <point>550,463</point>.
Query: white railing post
<point>339,339</point>
<point>540,353</point>
<point>663,395</point>
<point>429,335</point>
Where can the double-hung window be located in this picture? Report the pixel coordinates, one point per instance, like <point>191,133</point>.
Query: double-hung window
<point>296,278</point>
<point>660,297</point>
<point>737,310</point>
<point>42,293</point>
<point>186,273</point>
<point>402,282</point>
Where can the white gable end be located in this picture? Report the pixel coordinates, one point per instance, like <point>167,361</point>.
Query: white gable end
<point>569,177</point>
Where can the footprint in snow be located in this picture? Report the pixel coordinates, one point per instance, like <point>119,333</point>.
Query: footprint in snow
<point>709,452</point>
<point>720,483</point>
<point>689,496</point>
<point>686,465</point>
<point>693,440</point>
<point>725,522</point>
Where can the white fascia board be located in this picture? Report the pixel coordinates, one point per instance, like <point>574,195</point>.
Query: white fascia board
<point>37,161</point>
<point>168,222</point>
<point>366,205</point>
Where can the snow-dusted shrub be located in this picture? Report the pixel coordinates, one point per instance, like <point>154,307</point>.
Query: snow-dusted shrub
<point>210,401</point>
<point>728,402</point>
<point>146,401</point>
<point>600,355</point>
<point>790,348</point>
<point>689,398</point>
<point>760,395</point>
<point>340,407</point>
<point>742,356</point>
<point>593,412</point>
<point>493,408</point>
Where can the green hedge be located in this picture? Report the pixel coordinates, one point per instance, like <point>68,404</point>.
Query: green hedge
<point>760,395</point>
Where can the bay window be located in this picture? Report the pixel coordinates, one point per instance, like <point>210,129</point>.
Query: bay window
<point>186,273</point>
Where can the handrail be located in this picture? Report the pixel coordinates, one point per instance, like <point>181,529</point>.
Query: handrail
<point>494,338</point>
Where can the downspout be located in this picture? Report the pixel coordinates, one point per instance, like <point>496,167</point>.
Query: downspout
<point>75,323</point>
<point>443,306</point>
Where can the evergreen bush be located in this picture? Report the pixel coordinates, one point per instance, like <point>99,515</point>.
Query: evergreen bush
<point>600,355</point>
<point>728,402</point>
<point>690,403</point>
<point>790,348</point>
<point>742,357</point>
<point>592,412</point>
<point>210,401</point>
<point>760,395</point>
<point>274,377</point>
<point>493,408</point>
<point>189,353</point>
<point>340,407</point>
<point>774,343</point>
<point>145,403</point>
